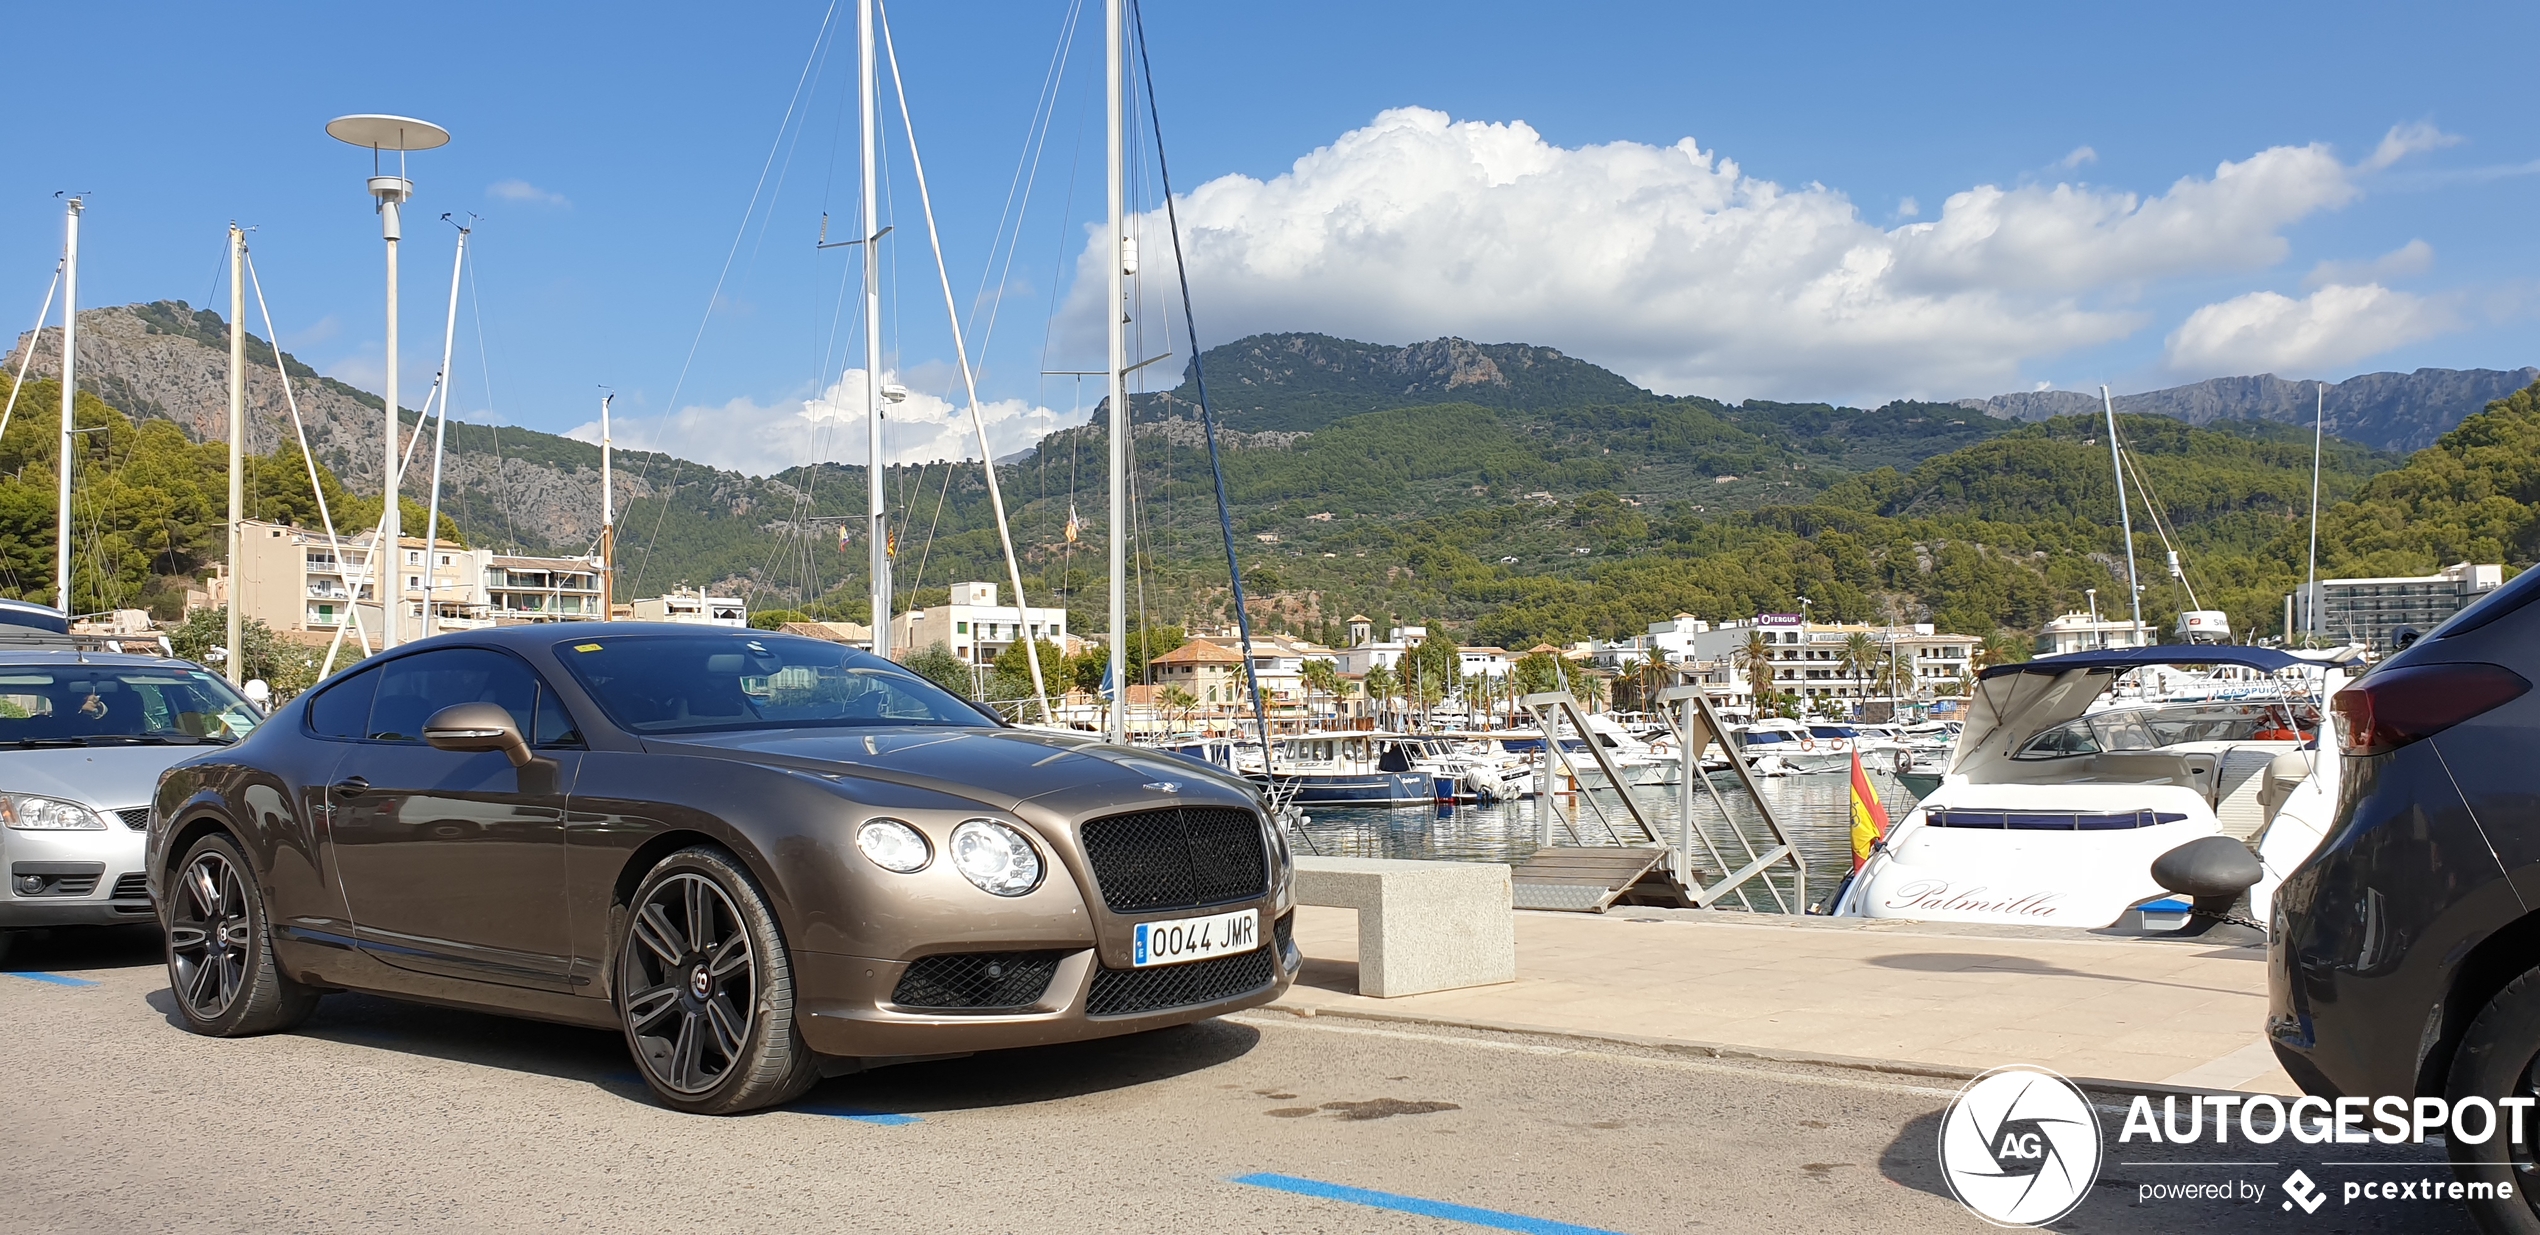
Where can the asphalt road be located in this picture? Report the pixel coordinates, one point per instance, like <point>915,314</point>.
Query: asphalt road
<point>379,1115</point>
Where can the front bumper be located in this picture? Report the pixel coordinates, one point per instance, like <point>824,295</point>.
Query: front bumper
<point>114,859</point>
<point>845,1005</point>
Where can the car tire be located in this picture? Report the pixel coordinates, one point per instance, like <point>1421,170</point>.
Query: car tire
<point>2496,1059</point>
<point>704,989</point>
<point>221,969</point>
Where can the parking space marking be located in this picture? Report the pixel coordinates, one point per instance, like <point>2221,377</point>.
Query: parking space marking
<point>1397,1203</point>
<point>38,975</point>
<point>882,1119</point>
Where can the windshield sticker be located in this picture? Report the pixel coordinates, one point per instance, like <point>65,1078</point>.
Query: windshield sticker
<point>586,647</point>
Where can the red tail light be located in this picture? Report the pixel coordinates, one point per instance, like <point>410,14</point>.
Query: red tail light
<point>2389,709</point>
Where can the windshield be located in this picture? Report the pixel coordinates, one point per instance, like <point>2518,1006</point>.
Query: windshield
<point>718,682</point>
<point>109,705</point>
<point>2153,728</point>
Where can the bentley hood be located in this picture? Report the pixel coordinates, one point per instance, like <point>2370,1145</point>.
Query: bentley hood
<point>1001,768</point>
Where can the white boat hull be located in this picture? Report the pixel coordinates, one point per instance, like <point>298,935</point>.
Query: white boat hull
<point>2031,872</point>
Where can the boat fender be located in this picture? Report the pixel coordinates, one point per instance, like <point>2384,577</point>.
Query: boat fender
<point>2212,870</point>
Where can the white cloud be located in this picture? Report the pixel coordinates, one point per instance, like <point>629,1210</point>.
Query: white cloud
<point>2413,258</point>
<point>525,193</point>
<point>2081,156</point>
<point>744,436</point>
<point>2406,139</point>
<point>2327,330</point>
<point>1675,267</point>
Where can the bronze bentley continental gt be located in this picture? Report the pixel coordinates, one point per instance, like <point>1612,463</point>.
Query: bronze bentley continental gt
<point>765,859</point>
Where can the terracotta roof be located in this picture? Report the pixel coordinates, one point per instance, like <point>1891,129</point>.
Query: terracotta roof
<point>1198,651</point>
<point>834,632</point>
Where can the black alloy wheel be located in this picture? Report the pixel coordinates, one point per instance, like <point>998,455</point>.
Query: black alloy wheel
<point>705,989</point>
<point>220,952</point>
<point>2498,1058</point>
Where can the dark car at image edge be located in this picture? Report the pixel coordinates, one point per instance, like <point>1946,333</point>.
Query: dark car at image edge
<point>2404,955</point>
<point>762,858</point>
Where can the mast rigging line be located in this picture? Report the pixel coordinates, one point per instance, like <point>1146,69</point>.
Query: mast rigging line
<point>1208,417</point>
<point>33,337</point>
<point>1023,629</point>
<point>334,545</point>
<point>671,407</point>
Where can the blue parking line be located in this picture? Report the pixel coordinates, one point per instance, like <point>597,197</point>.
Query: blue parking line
<point>38,975</point>
<point>883,1119</point>
<point>1492,1218</point>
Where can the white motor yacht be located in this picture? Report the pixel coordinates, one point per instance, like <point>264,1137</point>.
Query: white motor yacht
<point>2052,813</point>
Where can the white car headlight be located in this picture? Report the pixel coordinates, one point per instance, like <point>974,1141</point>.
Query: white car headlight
<point>995,857</point>
<point>30,813</point>
<point>893,845</point>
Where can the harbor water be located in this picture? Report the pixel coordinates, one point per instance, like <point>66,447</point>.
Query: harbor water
<point>1815,810</point>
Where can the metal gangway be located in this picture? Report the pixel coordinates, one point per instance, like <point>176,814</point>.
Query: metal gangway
<point>1629,854</point>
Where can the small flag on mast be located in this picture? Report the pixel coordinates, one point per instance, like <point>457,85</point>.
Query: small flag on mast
<point>1869,818</point>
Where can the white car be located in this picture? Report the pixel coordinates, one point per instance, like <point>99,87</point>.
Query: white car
<point>83,739</point>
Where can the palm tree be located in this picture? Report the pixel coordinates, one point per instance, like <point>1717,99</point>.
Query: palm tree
<point>1381,685</point>
<point>1319,676</point>
<point>1757,657</point>
<point>1177,700</point>
<point>1860,658</point>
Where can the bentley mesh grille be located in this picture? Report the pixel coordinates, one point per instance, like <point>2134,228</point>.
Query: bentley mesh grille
<point>1284,932</point>
<point>977,981</point>
<point>1125,992</point>
<point>1177,858</point>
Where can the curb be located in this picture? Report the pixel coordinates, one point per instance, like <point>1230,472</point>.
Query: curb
<point>1722,1050</point>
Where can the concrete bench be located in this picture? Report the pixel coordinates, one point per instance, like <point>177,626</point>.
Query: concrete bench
<point>1422,926</point>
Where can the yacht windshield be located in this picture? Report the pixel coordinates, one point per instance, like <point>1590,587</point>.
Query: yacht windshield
<point>118,705</point>
<point>2154,728</point>
<point>721,682</point>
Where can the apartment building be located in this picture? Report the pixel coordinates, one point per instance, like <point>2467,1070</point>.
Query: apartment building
<point>1807,658</point>
<point>974,625</point>
<point>2366,611</point>
<point>294,578</point>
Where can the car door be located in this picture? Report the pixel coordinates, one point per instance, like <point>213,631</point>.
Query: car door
<point>454,863</point>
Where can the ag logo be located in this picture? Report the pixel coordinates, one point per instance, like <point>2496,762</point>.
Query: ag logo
<point>2020,1146</point>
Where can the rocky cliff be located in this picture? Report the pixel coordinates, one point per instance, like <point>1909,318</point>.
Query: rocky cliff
<point>2391,411</point>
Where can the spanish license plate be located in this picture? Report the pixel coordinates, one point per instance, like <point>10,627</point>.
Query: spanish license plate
<point>1196,939</point>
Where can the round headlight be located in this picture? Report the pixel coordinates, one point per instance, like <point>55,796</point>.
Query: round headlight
<point>893,845</point>
<point>995,857</point>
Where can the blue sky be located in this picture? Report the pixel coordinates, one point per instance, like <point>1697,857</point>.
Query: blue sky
<point>1876,202</point>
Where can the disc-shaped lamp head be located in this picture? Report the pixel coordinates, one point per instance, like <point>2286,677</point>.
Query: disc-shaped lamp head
<point>388,132</point>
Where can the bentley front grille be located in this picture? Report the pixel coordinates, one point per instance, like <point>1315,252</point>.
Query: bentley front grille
<point>1177,858</point>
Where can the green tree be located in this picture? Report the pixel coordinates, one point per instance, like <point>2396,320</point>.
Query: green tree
<point>1756,657</point>
<point>937,664</point>
<point>775,619</point>
<point>1177,701</point>
<point>1381,685</point>
<point>1320,677</point>
<point>286,666</point>
<point>1010,677</point>
<point>1861,655</point>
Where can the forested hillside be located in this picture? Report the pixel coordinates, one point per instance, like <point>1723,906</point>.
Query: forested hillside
<point>1509,492</point>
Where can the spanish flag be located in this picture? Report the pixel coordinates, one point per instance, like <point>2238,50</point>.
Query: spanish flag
<point>1869,819</point>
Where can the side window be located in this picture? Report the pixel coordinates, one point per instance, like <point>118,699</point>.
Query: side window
<point>343,709</point>
<point>412,688</point>
<point>555,725</point>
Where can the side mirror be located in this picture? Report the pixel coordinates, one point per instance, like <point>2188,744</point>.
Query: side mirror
<point>470,727</point>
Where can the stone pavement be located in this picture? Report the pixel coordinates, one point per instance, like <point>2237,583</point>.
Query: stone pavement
<point>1943,999</point>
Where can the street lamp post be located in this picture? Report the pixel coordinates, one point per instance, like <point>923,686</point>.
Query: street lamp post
<point>401,134</point>
<point>2100,635</point>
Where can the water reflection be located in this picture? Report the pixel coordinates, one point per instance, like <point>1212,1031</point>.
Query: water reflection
<point>1815,810</point>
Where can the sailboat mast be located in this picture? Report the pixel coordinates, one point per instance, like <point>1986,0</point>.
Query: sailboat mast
<point>70,389</point>
<point>2125,513</point>
<point>878,529</point>
<point>1116,239</point>
<point>2311,584</point>
<point>608,518</point>
<point>440,435</point>
<point>234,664</point>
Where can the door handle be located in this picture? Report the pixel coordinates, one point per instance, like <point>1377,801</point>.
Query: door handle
<point>351,787</point>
